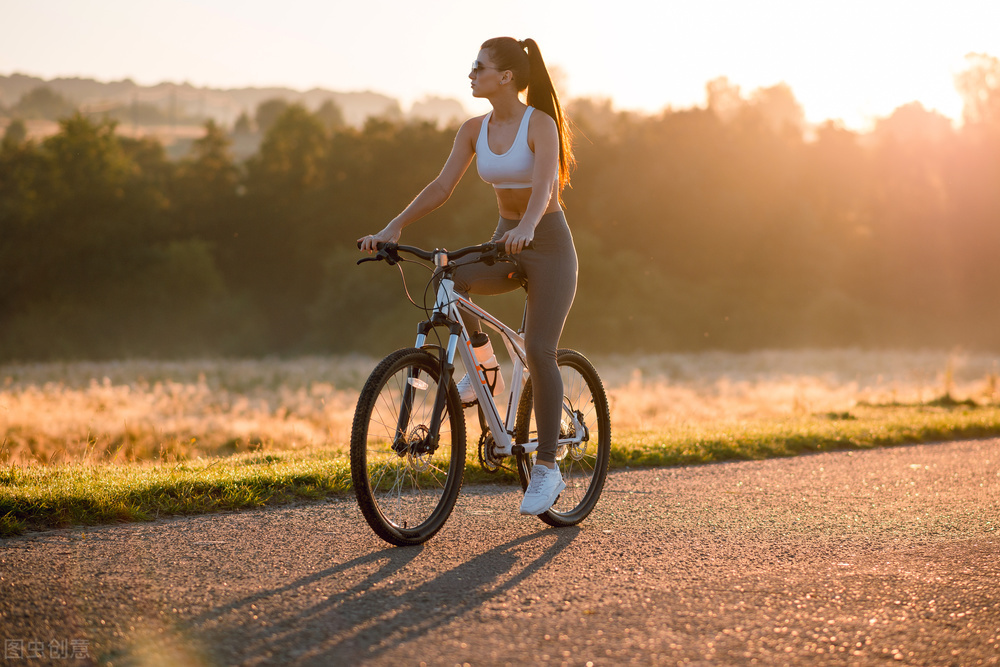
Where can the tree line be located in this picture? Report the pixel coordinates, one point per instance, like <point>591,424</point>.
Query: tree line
<point>732,226</point>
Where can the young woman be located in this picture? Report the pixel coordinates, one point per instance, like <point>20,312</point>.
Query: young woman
<point>524,151</point>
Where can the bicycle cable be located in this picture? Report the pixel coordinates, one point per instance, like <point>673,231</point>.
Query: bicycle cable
<point>402,277</point>
<point>429,310</point>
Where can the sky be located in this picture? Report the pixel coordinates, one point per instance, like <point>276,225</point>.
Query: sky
<point>849,60</point>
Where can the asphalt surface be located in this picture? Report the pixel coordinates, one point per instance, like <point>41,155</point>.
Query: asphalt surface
<point>871,558</point>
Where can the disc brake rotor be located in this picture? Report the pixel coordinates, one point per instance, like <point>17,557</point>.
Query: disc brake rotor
<point>415,458</point>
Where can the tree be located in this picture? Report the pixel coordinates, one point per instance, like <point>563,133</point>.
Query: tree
<point>595,119</point>
<point>66,230</point>
<point>206,187</point>
<point>22,171</point>
<point>210,163</point>
<point>268,113</point>
<point>43,102</point>
<point>292,156</point>
<point>90,269</point>
<point>15,134</point>
<point>979,86</point>
<point>780,109</point>
<point>331,116</point>
<point>914,125</point>
<point>724,98</point>
<point>242,125</point>
<point>98,215</point>
<point>721,220</point>
<point>278,252</point>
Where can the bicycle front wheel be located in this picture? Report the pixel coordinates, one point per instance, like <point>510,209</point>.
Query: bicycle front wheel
<point>407,478</point>
<point>585,429</point>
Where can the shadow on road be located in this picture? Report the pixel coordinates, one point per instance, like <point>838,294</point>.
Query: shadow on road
<point>384,608</point>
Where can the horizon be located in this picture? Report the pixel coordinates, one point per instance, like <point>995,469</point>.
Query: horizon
<point>854,63</point>
<point>409,108</point>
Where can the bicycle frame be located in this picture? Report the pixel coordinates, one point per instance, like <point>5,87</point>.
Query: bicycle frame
<point>448,308</point>
<point>407,475</point>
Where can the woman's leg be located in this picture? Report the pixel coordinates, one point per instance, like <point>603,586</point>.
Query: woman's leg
<point>551,269</point>
<point>478,278</point>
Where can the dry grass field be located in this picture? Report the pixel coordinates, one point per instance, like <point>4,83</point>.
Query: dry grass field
<point>170,411</point>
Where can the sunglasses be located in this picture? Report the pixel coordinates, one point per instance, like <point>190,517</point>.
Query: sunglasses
<point>478,67</point>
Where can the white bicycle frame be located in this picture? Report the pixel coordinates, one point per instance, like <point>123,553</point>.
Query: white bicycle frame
<point>450,305</point>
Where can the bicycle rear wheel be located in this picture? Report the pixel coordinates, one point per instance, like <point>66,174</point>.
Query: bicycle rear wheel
<point>406,485</point>
<point>583,464</point>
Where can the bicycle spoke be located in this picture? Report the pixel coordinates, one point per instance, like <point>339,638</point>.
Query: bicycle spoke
<point>405,487</point>
<point>584,440</point>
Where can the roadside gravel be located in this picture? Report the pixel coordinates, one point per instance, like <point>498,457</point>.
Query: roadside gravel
<point>858,557</point>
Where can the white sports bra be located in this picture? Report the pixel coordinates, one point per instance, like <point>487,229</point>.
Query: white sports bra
<point>513,169</point>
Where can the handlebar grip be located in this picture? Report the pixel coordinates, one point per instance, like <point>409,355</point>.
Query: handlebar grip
<point>386,252</point>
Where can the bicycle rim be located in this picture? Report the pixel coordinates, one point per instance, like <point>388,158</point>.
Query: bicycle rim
<point>584,465</point>
<point>406,492</point>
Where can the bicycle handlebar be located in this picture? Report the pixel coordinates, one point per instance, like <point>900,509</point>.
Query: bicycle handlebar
<point>390,252</point>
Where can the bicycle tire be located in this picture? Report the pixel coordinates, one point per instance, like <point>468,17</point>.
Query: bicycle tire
<point>584,467</point>
<point>406,495</point>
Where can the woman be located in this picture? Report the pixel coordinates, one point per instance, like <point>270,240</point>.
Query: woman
<point>525,152</point>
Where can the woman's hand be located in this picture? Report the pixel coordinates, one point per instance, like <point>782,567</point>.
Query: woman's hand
<point>388,235</point>
<point>515,240</point>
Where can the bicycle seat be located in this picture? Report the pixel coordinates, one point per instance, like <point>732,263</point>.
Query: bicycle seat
<point>519,275</point>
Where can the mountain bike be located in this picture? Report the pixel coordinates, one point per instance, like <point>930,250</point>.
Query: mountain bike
<point>408,440</point>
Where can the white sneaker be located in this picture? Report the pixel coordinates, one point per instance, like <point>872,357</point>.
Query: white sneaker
<point>545,486</point>
<point>494,380</point>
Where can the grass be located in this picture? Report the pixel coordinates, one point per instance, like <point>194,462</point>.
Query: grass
<point>34,497</point>
<point>140,411</point>
<point>85,493</point>
<point>863,427</point>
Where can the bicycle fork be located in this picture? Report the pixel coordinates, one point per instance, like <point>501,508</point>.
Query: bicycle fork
<point>430,437</point>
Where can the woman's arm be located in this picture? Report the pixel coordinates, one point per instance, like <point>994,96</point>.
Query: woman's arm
<point>437,191</point>
<point>543,139</point>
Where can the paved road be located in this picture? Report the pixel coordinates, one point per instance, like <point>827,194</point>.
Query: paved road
<point>878,557</point>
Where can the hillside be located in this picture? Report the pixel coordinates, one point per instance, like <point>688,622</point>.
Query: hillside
<point>187,104</point>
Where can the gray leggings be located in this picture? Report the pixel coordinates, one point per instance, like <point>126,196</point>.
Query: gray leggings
<point>551,267</point>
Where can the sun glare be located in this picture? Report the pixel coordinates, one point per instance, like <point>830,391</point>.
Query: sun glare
<point>853,61</point>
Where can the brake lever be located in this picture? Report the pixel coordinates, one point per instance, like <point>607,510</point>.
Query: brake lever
<point>491,256</point>
<point>500,254</point>
<point>387,252</point>
<point>391,255</point>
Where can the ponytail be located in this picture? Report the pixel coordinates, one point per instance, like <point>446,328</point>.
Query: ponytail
<point>525,61</point>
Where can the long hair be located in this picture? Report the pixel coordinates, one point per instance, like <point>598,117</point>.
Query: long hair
<point>525,62</point>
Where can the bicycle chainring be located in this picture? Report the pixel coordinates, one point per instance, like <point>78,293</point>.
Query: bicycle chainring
<point>489,460</point>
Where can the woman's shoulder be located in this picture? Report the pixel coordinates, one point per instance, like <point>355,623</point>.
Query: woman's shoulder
<point>473,125</point>
<point>476,122</point>
<point>470,129</point>
<point>540,121</point>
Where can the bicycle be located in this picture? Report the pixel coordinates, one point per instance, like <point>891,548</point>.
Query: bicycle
<point>408,440</point>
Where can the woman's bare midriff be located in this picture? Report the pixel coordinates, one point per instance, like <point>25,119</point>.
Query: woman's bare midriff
<point>514,202</point>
